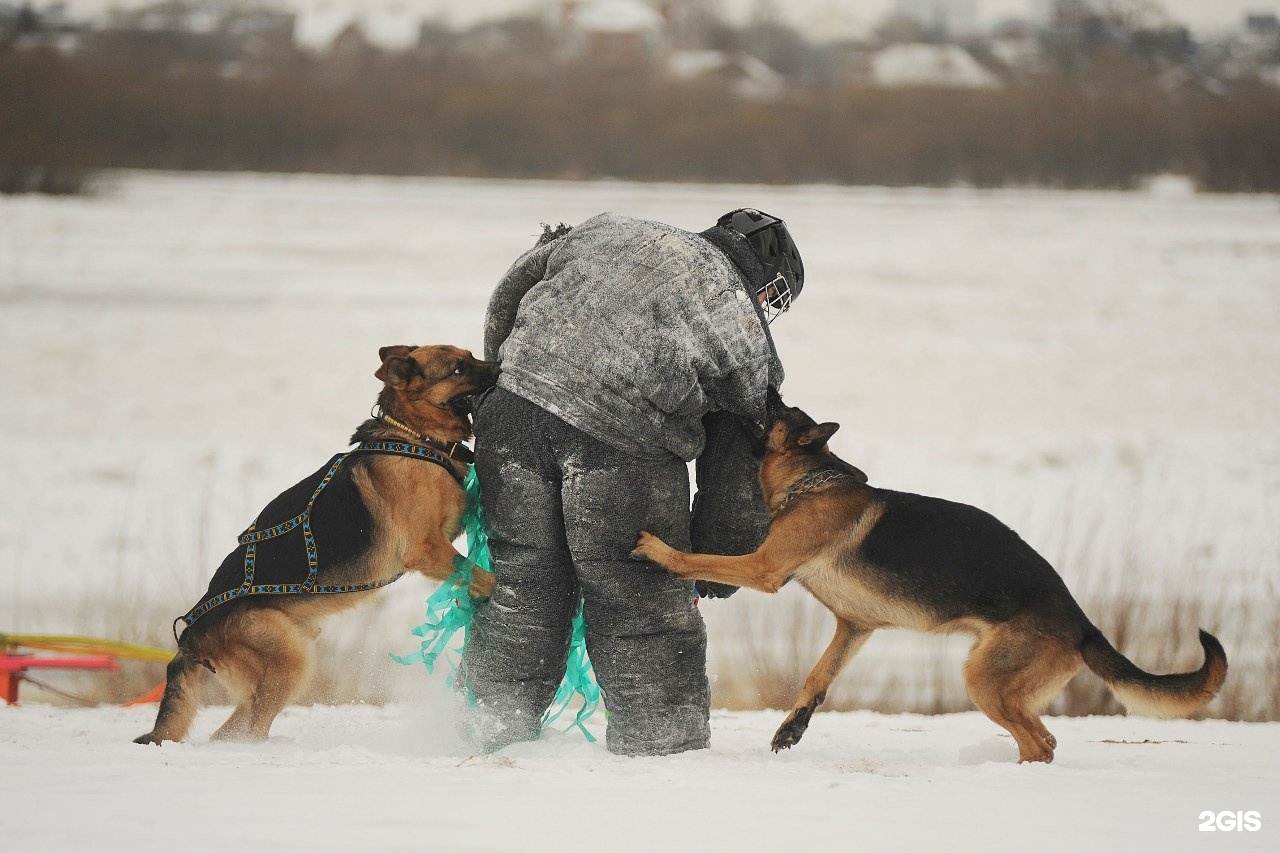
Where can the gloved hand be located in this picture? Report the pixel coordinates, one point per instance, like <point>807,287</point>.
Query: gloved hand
<point>711,589</point>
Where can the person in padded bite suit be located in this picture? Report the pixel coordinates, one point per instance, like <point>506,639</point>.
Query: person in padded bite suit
<point>628,348</point>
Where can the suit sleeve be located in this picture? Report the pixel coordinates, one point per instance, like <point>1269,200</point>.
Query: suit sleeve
<point>504,304</point>
<point>729,513</point>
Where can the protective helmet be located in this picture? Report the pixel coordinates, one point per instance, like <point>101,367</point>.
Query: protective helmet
<point>771,241</point>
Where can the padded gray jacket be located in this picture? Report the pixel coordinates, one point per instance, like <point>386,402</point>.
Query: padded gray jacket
<point>632,331</point>
<point>647,337</point>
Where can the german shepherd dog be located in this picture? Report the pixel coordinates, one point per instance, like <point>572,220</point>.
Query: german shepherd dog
<point>881,559</point>
<point>374,513</point>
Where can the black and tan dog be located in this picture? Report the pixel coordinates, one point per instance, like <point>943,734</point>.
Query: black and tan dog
<point>880,559</point>
<point>393,504</point>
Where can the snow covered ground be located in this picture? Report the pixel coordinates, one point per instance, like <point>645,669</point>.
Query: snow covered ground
<point>1097,369</point>
<point>363,778</point>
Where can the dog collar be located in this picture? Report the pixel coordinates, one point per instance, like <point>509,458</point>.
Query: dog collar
<point>809,482</point>
<point>454,449</point>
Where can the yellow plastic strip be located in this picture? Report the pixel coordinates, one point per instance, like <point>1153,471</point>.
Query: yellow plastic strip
<point>85,646</point>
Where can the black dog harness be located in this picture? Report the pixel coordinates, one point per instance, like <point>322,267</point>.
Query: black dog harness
<point>253,536</point>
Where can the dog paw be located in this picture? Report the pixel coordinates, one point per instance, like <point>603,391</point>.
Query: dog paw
<point>482,584</point>
<point>648,547</point>
<point>791,730</point>
<point>787,737</point>
<point>149,737</point>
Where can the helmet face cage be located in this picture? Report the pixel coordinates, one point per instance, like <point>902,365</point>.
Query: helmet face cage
<point>775,298</point>
<point>771,243</point>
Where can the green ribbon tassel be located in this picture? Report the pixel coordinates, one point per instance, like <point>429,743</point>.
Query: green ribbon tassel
<point>450,609</point>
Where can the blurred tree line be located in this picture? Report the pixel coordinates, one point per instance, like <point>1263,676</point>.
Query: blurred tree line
<point>130,99</point>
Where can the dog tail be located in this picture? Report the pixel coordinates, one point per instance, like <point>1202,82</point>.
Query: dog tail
<point>1175,695</point>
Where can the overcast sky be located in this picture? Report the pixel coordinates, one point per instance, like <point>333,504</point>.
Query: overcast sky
<point>1201,15</point>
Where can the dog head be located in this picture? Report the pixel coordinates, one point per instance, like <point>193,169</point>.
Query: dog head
<point>432,388</point>
<point>793,431</point>
<point>794,443</point>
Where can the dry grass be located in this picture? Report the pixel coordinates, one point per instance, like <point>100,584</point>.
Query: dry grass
<point>762,647</point>
<point>117,105</point>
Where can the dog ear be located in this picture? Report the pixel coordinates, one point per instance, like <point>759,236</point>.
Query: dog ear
<point>399,350</point>
<point>817,435</point>
<point>396,371</point>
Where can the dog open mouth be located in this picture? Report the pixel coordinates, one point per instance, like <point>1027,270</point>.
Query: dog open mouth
<point>482,377</point>
<point>464,405</point>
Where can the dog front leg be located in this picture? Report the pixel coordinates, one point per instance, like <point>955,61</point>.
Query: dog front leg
<point>437,560</point>
<point>844,645</point>
<point>765,570</point>
<point>433,558</point>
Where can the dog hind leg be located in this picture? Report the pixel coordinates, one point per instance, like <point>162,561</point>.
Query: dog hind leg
<point>269,665</point>
<point>179,703</point>
<point>1008,674</point>
<point>1053,666</point>
<point>844,645</point>
<point>240,671</point>
<point>236,728</point>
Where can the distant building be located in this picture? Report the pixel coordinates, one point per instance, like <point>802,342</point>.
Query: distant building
<point>930,65</point>
<point>614,32</point>
<point>22,17</point>
<point>205,18</point>
<point>1058,13</point>
<point>1019,52</point>
<point>238,38</point>
<point>746,75</point>
<point>388,26</point>
<point>1253,53</point>
<point>942,18</point>
<point>22,26</point>
<point>1262,25</point>
<point>1262,37</point>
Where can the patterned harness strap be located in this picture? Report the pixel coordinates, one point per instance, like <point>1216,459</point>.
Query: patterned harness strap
<point>252,537</point>
<point>418,451</point>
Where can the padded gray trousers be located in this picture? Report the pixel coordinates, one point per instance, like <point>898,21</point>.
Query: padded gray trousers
<point>563,511</point>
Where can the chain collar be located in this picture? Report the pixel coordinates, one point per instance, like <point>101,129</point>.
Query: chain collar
<point>454,450</point>
<point>809,482</point>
